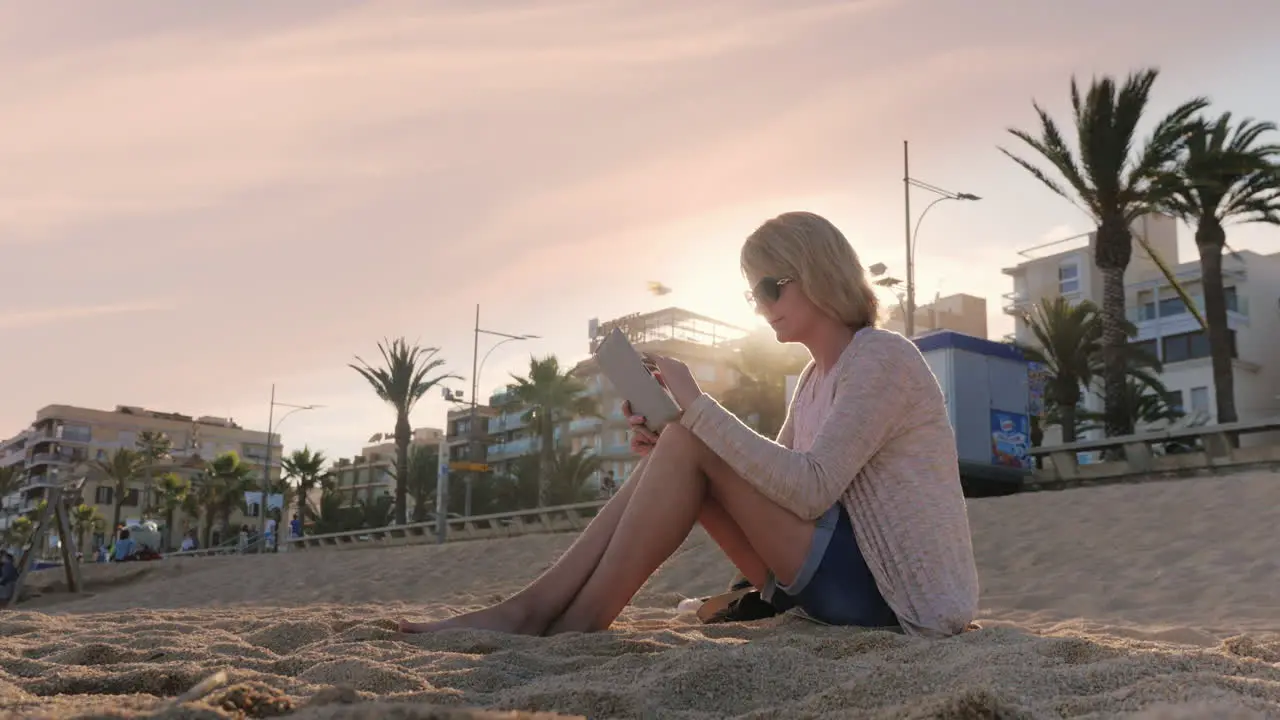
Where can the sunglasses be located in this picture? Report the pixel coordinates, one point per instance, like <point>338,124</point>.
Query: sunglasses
<point>767,291</point>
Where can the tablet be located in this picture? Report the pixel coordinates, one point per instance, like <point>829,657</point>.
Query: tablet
<point>626,369</point>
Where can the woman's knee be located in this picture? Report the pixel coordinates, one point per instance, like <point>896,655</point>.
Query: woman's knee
<point>679,439</point>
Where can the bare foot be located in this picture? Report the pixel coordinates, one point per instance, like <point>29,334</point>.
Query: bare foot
<point>503,617</point>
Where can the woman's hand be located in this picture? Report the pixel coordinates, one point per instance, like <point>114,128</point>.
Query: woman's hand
<point>642,438</point>
<point>677,378</point>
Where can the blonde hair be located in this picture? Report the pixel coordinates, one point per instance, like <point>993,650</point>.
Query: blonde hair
<point>813,253</point>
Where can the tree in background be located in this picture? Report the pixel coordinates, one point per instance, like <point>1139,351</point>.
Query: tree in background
<point>1115,186</point>
<point>551,397</point>
<point>1227,174</point>
<point>173,490</point>
<point>306,468</point>
<point>401,382</point>
<point>155,447</point>
<point>759,397</point>
<point>122,469</point>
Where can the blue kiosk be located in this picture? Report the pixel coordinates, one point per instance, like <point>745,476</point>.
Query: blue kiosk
<point>989,402</point>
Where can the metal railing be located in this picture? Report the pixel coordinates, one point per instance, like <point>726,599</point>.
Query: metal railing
<point>561,518</point>
<point>231,547</point>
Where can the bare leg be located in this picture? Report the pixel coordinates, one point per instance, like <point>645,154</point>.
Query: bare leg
<point>531,610</point>
<point>666,500</point>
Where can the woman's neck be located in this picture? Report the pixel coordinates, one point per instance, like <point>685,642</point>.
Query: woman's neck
<point>828,344</point>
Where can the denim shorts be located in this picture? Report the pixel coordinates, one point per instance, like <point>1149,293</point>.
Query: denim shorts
<point>834,585</point>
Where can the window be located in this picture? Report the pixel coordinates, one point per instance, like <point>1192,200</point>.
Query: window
<point>1232,297</point>
<point>1146,305</point>
<point>104,495</point>
<point>1172,306</point>
<point>131,498</point>
<point>1068,278</point>
<point>1174,398</point>
<point>1191,346</point>
<point>1147,346</point>
<point>1200,399</point>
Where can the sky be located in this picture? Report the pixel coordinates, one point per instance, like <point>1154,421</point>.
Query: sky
<point>201,200</point>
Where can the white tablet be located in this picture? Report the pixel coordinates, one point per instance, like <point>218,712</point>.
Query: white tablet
<point>624,367</point>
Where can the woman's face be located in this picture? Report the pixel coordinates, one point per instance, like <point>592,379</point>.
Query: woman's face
<point>786,308</point>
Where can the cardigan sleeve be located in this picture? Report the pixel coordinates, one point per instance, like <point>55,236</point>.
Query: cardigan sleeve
<point>872,399</point>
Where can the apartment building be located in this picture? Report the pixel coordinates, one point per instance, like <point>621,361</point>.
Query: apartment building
<point>1165,326</point>
<point>13,454</point>
<point>458,431</point>
<point>960,312</point>
<point>63,439</point>
<point>369,475</point>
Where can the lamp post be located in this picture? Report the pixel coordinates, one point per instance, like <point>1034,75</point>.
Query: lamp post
<point>908,182</point>
<point>272,425</point>
<point>475,440</point>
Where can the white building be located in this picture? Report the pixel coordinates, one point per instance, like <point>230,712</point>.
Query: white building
<point>1066,269</point>
<point>13,452</point>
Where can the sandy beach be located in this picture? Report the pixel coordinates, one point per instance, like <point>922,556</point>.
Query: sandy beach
<point>1160,600</point>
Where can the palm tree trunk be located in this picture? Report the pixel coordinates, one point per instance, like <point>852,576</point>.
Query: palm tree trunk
<point>207,530</point>
<point>115,518</point>
<point>546,463</point>
<point>403,434</point>
<point>1114,338</point>
<point>168,529</point>
<point>1068,416</point>
<point>1210,239</point>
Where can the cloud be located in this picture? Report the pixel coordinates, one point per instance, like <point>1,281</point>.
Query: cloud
<point>48,316</point>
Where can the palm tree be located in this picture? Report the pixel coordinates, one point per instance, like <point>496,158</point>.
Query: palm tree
<point>1226,175</point>
<point>571,473</point>
<point>231,478</point>
<point>1068,341</point>
<point>307,468</point>
<point>1146,401</point>
<point>551,397</point>
<point>421,481</point>
<point>154,447</point>
<point>173,496</point>
<point>1114,186</point>
<point>11,480</point>
<point>400,383</point>
<point>759,397</point>
<point>85,519</point>
<point>18,532</point>
<point>122,468</point>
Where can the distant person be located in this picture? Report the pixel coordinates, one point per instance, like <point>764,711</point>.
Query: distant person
<point>295,526</point>
<point>244,539</point>
<point>125,547</point>
<point>853,516</point>
<point>271,533</point>
<point>608,484</point>
<point>189,542</point>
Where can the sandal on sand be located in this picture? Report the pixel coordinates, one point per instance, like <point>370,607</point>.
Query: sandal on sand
<point>741,605</point>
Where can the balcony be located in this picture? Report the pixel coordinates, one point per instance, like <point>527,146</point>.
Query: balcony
<point>613,451</point>
<point>46,458</point>
<point>1016,303</point>
<point>586,424</point>
<point>1170,317</point>
<point>512,449</point>
<point>507,421</point>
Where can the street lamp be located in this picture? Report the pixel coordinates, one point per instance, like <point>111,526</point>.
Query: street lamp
<point>909,182</point>
<point>272,424</point>
<point>475,440</point>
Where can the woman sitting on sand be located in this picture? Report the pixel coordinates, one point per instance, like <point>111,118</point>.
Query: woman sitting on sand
<point>855,515</point>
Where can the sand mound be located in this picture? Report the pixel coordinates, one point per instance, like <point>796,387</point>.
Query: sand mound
<point>1154,600</point>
